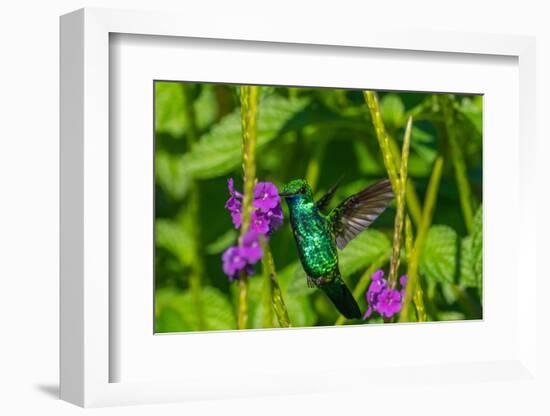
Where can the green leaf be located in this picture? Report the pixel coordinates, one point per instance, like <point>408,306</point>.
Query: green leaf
<point>169,111</point>
<point>176,311</point>
<point>392,110</point>
<point>362,251</point>
<point>477,248</point>
<point>218,152</point>
<point>170,115</point>
<point>473,111</point>
<point>471,256</point>
<point>422,144</point>
<point>171,174</point>
<point>206,106</point>
<point>467,277</point>
<point>167,315</point>
<point>421,136</point>
<point>438,258</point>
<point>173,237</point>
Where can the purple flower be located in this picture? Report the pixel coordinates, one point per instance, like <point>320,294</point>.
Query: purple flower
<point>275,217</point>
<point>266,196</point>
<point>236,219</point>
<point>259,222</point>
<point>383,299</point>
<point>389,302</point>
<point>233,262</point>
<point>378,284</point>
<point>234,204</point>
<point>250,247</point>
<point>266,216</point>
<point>375,288</point>
<point>378,275</point>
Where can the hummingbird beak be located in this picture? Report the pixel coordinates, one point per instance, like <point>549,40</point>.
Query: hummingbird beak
<point>286,194</point>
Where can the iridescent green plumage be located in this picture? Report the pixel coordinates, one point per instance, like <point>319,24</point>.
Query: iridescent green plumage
<point>318,235</point>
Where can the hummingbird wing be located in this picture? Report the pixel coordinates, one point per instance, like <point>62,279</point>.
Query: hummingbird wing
<point>322,203</point>
<point>358,211</point>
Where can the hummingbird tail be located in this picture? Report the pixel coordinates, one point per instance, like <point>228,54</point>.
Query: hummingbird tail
<point>342,298</point>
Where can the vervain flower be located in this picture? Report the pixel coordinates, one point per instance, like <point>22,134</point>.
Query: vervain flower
<point>266,216</point>
<point>381,298</point>
<point>275,217</point>
<point>259,222</point>
<point>389,302</point>
<point>266,196</point>
<point>233,262</point>
<point>234,204</point>
<point>251,249</point>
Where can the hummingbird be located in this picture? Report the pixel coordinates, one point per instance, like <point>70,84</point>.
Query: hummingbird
<point>319,235</point>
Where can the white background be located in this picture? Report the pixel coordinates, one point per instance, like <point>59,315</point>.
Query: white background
<point>29,205</point>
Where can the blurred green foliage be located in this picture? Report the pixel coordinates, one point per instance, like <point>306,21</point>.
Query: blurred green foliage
<point>317,134</point>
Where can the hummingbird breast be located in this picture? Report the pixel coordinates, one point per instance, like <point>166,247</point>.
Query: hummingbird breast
<point>314,240</point>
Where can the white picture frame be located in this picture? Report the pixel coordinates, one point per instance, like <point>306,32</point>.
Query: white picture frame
<point>87,302</point>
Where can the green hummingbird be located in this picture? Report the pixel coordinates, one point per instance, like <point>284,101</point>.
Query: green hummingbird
<point>318,235</point>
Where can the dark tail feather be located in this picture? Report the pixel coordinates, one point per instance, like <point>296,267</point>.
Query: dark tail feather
<point>342,298</point>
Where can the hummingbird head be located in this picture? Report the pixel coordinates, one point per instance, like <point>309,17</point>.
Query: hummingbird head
<point>297,187</point>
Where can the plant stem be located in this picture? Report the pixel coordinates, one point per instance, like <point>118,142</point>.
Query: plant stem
<point>249,113</point>
<point>383,138</point>
<point>242,317</point>
<point>429,205</point>
<point>276,295</point>
<point>413,201</point>
<point>400,214</point>
<point>267,309</point>
<point>364,281</point>
<point>459,165</point>
<point>413,289</point>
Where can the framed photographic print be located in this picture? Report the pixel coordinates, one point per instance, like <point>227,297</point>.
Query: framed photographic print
<point>271,214</point>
